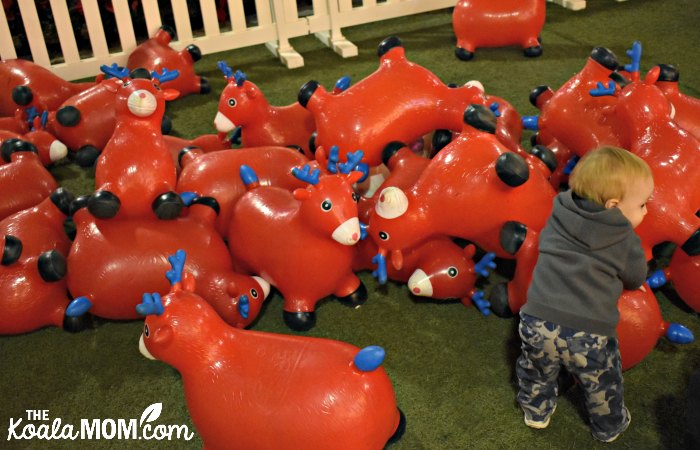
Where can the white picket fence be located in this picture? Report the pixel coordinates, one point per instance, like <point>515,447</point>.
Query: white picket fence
<point>275,22</point>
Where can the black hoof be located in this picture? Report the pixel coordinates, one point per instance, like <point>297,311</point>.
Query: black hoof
<point>668,72</point>
<point>499,301</point>
<point>194,52</point>
<point>545,155</point>
<point>312,143</point>
<point>68,116</point>
<point>140,72</point>
<point>464,55</point>
<point>440,139</point>
<point>78,203</point>
<point>22,95</point>
<point>299,321</point>
<point>166,125</point>
<point>532,52</point>
<point>204,86</point>
<point>13,145</point>
<point>387,44</point>
<point>86,156</point>
<point>512,236</point>
<point>70,229</point>
<point>512,169</point>
<point>480,117</point>
<point>52,265</point>
<point>692,245</point>
<point>77,324</point>
<point>170,30</point>
<point>63,199</point>
<point>167,206</point>
<point>400,429</point>
<point>536,92</point>
<point>605,57</point>
<point>103,205</point>
<point>208,201</point>
<point>11,251</point>
<point>306,91</point>
<point>357,298</point>
<point>297,148</point>
<point>390,150</point>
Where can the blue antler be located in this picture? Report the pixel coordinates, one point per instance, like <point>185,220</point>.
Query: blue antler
<point>380,272</point>
<point>305,174</point>
<point>240,78</point>
<point>244,306</point>
<point>166,75</point>
<point>635,54</point>
<point>342,84</point>
<point>44,119</point>
<point>494,108</point>
<point>601,90</point>
<point>570,164</point>
<point>353,162</point>
<point>657,279</point>
<point>485,263</point>
<point>177,261</point>
<point>483,305</point>
<point>114,71</point>
<point>223,67</point>
<point>333,159</point>
<point>150,304</point>
<point>31,112</point>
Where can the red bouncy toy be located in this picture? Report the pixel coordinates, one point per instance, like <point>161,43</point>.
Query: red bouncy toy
<point>486,23</point>
<point>400,101</point>
<point>449,197</point>
<point>210,174</point>
<point>291,392</point>
<point>113,261</point>
<point>49,148</point>
<point>33,268</point>
<point>27,84</point>
<point>135,175</point>
<point>242,104</point>
<point>312,232</point>
<point>24,181</point>
<point>204,143</point>
<point>641,326</point>
<point>684,271</point>
<point>155,54</point>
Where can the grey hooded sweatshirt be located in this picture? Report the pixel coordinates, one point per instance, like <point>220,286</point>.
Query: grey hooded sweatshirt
<point>587,254</point>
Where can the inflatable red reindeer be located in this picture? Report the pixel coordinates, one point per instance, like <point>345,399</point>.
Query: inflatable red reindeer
<point>135,176</point>
<point>451,198</point>
<point>242,104</point>
<point>644,123</point>
<point>291,392</point>
<point>204,143</point>
<point>687,108</point>
<point>400,101</point>
<point>33,268</point>
<point>49,148</point>
<point>209,175</point>
<point>571,115</point>
<point>86,121</point>
<point>24,181</point>
<point>107,252</point>
<point>18,123</point>
<point>641,326</point>
<point>485,23</point>
<point>301,242</point>
<point>27,84</point>
<point>155,54</point>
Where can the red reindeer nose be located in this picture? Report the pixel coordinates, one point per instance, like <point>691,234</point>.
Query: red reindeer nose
<point>416,290</point>
<point>354,236</point>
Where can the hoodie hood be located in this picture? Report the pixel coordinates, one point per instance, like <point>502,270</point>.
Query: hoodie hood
<point>588,224</point>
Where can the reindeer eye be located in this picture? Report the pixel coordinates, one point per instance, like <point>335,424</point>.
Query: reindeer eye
<point>254,293</point>
<point>232,102</point>
<point>145,331</point>
<point>326,205</point>
<point>383,235</point>
<point>452,272</point>
<point>127,83</point>
<point>355,197</point>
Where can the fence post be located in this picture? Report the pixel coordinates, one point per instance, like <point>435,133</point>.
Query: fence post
<point>285,17</point>
<point>333,37</point>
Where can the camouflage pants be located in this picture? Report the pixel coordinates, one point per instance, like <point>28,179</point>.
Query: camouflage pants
<point>592,358</point>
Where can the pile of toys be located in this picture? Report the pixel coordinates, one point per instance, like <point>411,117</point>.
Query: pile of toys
<point>400,174</point>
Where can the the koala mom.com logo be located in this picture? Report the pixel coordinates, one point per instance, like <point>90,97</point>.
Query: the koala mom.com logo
<point>37,424</point>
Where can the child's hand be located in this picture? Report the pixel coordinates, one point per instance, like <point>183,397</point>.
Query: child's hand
<point>642,288</point>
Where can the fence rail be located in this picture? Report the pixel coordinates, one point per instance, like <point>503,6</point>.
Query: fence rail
<point>84,38</point>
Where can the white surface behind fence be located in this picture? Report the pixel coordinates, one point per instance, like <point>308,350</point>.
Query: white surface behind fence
<point>275,23</point>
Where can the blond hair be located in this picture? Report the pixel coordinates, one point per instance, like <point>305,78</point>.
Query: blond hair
<point>606,173</point>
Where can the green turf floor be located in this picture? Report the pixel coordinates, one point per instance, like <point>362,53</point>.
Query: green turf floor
<point>452,368</point>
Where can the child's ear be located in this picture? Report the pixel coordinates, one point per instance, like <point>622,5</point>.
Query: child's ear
<point>612,203</point>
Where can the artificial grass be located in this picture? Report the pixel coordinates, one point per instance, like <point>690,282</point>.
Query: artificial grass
<point>452,368</point>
